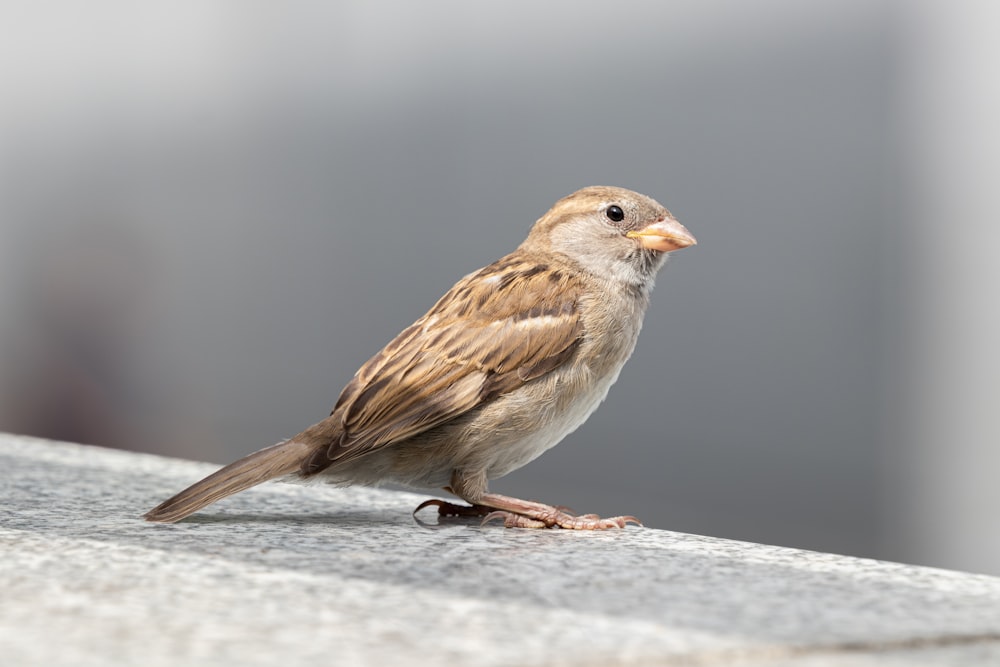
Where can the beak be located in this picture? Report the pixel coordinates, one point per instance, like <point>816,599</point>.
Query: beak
<point>663,235</point>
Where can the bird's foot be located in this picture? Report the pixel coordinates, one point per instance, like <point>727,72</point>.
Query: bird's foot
<point>516,513</point>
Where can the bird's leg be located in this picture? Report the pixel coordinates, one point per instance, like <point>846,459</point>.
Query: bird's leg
<point>517,513</point>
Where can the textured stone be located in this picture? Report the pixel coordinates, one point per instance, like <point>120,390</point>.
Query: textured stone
<point>347,576</point>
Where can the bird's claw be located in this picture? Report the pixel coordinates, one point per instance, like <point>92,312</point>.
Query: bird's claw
<point>452,509</point>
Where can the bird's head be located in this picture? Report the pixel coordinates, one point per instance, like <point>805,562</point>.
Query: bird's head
<point>611,232</point>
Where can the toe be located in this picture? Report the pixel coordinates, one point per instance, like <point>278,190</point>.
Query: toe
<point>512,520</point>
<point>594,522</point>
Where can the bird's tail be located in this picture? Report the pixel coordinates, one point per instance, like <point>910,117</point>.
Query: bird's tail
<point>268,463</point>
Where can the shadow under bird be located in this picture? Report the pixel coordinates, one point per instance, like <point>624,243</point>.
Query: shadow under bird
<point>509,361</point>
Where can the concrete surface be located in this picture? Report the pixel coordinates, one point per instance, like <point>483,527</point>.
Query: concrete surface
<point>295,574</point>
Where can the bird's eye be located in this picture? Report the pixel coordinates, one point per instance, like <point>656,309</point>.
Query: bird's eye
<point>615,214</point>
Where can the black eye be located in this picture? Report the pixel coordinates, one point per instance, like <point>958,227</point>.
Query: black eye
<point>615,214</point>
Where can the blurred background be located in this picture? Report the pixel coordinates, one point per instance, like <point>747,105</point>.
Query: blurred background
<point>212,213</point>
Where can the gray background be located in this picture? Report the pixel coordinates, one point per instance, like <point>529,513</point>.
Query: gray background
<point>213,213</point>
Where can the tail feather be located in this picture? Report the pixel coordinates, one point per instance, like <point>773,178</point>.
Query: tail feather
<point>268,463</point>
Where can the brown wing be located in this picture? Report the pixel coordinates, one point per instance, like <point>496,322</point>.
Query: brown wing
<point>473,345</point>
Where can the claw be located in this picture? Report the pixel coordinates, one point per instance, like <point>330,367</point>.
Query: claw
<point>427,503</point>
<point>451,509</point>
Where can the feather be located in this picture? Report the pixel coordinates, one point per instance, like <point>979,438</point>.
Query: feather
<point>268,463</point>
<point>452,360</point>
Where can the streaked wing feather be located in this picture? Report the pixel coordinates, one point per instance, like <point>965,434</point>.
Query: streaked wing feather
<point>461,354</point>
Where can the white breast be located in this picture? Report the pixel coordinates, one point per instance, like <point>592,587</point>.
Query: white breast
<point>513,450</point>
<point>566,397</point>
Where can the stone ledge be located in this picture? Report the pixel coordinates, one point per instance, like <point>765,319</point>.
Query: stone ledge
<point>346,576</point>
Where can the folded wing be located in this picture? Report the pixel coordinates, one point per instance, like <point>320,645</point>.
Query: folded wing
<point>507,324</point>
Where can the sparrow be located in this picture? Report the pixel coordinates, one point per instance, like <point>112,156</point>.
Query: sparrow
<point>508,362</point>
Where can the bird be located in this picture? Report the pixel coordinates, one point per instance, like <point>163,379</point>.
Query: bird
<point>514,357</point>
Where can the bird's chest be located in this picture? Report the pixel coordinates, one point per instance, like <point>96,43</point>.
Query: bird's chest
<point>541,414</point>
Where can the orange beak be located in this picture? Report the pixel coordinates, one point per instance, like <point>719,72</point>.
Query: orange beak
<point>663,235</point>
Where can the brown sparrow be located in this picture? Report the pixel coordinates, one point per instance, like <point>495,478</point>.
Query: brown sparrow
<point>513,358</point>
